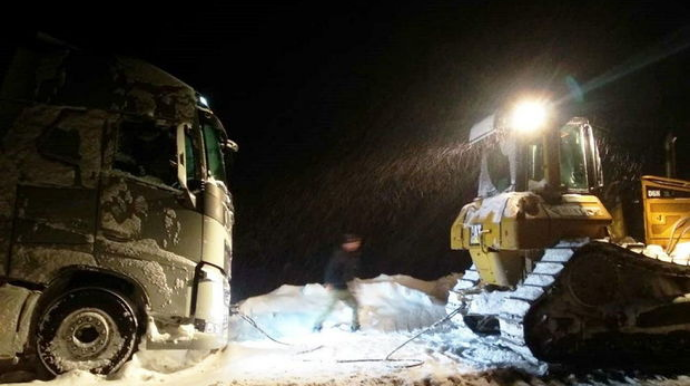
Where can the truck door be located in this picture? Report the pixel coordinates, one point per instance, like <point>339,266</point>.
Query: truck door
<point>149,228</point>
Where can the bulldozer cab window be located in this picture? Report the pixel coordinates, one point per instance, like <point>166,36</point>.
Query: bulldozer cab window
<point>535,166</point>
<point>147,151</point>
<point>573,156</point>
<point>497,165</point>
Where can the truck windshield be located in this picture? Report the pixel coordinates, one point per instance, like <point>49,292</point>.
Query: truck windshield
<point>573,164</point>
<point>214,137</point>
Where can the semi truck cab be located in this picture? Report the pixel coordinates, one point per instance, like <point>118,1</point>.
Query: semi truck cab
<point>115,211</point>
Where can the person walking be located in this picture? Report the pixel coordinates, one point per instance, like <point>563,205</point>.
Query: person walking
<point>342,268</point>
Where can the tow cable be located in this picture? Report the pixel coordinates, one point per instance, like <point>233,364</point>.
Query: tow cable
<point>411,362</point>
<point>253,323</point>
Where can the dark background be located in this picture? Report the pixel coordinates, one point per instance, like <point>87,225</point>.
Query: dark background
<point>351,117</point>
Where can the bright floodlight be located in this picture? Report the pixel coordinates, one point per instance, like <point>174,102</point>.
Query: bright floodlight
<point>528,116</point>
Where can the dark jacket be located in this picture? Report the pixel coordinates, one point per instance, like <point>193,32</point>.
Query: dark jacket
<point>342,267</point>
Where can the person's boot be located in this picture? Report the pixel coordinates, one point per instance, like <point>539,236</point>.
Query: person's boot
<point>317,328</point>
<point>354,327</point>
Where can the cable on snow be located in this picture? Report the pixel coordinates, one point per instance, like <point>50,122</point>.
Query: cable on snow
<point>415,362</point>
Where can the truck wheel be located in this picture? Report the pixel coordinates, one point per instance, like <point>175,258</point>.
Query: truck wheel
<point>87,329</point>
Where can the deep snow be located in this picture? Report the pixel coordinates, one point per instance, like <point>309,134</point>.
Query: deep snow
<point>393,308</point>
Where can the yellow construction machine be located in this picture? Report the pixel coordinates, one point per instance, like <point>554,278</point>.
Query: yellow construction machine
<point>552,272</point>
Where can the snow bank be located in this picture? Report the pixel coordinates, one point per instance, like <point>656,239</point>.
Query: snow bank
<point>681,252</point>
<point>387,303</point>
<point>679,255</point>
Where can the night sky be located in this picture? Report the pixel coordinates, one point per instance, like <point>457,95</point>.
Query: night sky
<point>351,117</point>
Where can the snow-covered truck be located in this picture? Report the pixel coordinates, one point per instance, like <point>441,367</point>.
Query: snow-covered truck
<point>115,213</point>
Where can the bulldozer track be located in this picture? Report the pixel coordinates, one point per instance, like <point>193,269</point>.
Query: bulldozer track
<point>588,299</point>
<point>520,302</point>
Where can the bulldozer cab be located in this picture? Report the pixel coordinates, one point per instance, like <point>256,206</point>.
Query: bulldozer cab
<point>562,157</point>
<point>577,160</point>
<point>538,177</point>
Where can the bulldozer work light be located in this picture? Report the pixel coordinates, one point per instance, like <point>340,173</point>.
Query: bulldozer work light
<point>528,116</point>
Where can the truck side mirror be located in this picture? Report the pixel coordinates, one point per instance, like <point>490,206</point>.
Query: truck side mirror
<point>231,146</point>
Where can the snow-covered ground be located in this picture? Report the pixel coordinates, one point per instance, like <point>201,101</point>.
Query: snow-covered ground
<point>393,309</point>
<point>679,255</point>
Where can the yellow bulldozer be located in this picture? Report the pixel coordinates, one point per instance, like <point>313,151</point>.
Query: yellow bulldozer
<point>553,271</point>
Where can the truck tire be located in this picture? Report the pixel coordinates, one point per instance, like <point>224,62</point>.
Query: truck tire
<point>92,329</point>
